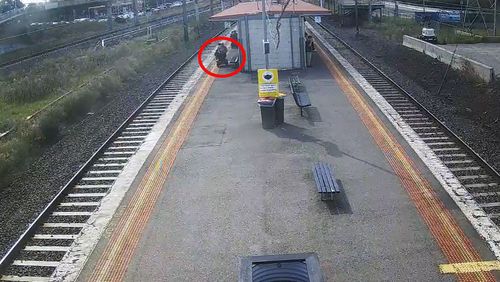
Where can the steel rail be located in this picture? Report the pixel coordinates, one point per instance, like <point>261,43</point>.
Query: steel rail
<point>45,213</point>
<point>459,140</point>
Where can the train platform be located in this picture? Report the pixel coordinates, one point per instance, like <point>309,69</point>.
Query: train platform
<point>232,189</point>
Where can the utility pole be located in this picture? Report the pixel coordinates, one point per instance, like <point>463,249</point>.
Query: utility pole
<point>265,32</point>
<point>211,7</point>
<point>184,21</point>
<point>495,20</point>
<point>134,9</point>
<point>109,14</point>
<point>197,16</point>
<point>369,11</point>
<point>356,15</point>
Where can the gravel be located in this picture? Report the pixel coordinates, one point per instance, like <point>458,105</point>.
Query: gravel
<point>469,109</point>
<point>33,189</point>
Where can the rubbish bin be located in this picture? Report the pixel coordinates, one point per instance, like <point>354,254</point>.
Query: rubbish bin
<point>267,113</point>
<point>279,107</point>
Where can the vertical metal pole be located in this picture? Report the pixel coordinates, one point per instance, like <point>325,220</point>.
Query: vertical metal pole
<point>184,21</point>
<point>290,23</point>
<point>109,14</point>
<point>134,9</point>
<point>211,7</point>
<point>495,20</point>
<point>247,41</point>
<point>265,30</point>
<point>197,13</point>
<point>369,11</point>
<point>356,15</point>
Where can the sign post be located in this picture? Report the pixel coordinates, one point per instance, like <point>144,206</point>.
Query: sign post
<point>268,83</point>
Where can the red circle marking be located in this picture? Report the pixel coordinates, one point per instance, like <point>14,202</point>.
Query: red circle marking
<point>218,38</point>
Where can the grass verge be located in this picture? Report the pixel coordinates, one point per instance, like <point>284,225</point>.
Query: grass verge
<point>23,92</point>
<point>394,28</point>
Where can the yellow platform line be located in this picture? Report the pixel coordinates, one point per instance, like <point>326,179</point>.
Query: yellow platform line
<point>113,263</point>
<point>466,267</point>
<point>450,238</point>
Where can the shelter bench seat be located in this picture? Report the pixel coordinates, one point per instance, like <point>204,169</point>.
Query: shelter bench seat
<point>325,181</point>
<point>299,93</point>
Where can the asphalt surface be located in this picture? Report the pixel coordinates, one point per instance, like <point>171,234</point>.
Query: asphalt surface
<point>239,190</point>
<point>486,53</point>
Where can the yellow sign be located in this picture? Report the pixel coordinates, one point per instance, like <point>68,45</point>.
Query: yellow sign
<point>268,83</point>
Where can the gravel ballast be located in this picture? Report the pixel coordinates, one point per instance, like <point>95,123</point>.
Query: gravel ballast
<point>470,109</point>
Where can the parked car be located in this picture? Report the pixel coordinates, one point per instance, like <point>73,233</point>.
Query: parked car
<point>176,4</point>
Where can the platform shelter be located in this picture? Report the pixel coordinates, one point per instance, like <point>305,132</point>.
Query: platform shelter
<point>285,32</point>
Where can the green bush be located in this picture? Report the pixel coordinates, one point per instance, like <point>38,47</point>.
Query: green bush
<point>48,127</point>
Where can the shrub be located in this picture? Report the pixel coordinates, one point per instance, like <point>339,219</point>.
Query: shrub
<point>48,127</point>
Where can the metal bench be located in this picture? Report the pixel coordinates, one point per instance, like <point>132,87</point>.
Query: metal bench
<point>325,181</point>
<point>299,93</point>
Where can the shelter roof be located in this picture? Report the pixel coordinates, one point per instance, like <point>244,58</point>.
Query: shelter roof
<point>295,7</point>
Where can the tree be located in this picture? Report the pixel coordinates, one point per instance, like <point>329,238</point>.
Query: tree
<point>7,5</point>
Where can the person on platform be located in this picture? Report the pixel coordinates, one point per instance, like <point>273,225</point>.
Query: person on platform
<point>220,54</point>
<point>234,35</point>
<point>309,49</point>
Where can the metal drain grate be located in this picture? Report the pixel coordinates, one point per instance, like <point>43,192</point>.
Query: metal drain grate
<point>292,267</point>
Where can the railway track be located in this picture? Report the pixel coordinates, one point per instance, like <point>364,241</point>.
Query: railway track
<point>112,35</point>
<point>41,248</point>
<point>479,178</point>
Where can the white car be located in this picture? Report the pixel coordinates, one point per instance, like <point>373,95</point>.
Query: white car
<point>80,20</point>
<point>176,4</point>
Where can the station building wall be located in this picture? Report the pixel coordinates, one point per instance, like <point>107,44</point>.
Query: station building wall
<point>290,53</point>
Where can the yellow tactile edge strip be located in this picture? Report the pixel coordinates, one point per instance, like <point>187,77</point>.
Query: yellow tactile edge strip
<point>465,267</point>
<point>449,236</point>
<point>112,264</point>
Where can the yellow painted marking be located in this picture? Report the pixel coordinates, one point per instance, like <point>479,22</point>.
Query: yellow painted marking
<point>466,267</point>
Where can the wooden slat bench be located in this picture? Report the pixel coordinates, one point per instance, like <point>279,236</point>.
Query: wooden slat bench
<point>325,181</point>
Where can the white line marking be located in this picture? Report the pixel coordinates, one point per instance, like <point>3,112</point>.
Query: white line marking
<point>46,248</point>
<point>103,171</point>
<point>54,236</point>
<point>490,205</point>
<point>24,278</point>
<point>471,168</point>
<point>82,195</point>
<point>35,263</point>
<point>108,164</point>
<point>95,186</point>
<point>70,213</point>
<point>98,178</point>
<point>63,225</point>
<point>79,204</point>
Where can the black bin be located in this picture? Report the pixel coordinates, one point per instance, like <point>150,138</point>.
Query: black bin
<point>267,112</point>
<point>279,108</point>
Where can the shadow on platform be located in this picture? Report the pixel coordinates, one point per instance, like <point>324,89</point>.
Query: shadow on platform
<point>291,131</point>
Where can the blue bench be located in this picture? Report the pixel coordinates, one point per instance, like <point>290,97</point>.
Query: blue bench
<point>325,181</point>
<point>299,93</point>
